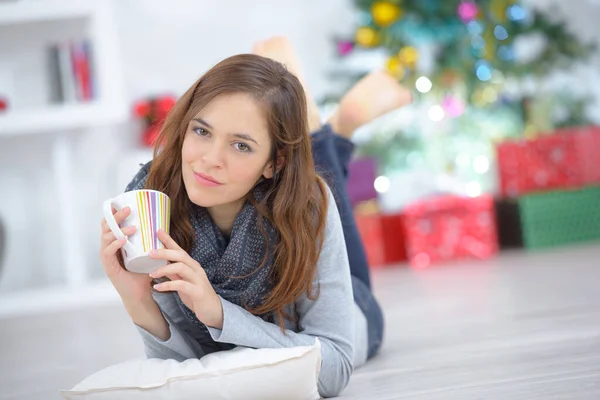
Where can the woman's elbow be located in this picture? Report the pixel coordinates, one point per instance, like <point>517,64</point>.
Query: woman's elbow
<point>337,380</point>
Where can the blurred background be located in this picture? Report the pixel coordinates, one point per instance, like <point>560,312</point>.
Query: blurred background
<point>499,148</point>
<point>478,204</point>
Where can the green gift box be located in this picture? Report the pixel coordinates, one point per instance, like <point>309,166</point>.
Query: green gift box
<point>550,219</point>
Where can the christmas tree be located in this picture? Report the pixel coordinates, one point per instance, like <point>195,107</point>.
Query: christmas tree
<point>476,67</point>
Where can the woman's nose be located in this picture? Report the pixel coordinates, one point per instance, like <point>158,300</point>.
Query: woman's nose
<point>213,155</point>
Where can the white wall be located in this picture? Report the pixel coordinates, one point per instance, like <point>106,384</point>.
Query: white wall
<point>165,47</point>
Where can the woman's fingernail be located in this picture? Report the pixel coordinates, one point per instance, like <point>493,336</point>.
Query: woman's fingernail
<point>126,209</point>
<point>158,286</point>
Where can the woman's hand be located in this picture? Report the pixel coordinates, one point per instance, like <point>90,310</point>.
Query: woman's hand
<point>189,280</point>
<point>133,288</point>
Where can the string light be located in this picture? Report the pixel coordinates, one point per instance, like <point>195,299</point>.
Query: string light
<point>497,77</point>
<point>505,53</point>
<point>477,42</point>
<point>421,260</point>
<point>500,32</point>
<point>483,71</point>
<point>490,95</point>
<point>436,113</point>
<point>481,164</point>
<point>475,28</point>
<point>516,13</point>
<point>423,84</point>
<point>382,184</point>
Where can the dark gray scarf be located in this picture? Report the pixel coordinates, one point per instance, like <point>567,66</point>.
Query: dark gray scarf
<point>232,265</point>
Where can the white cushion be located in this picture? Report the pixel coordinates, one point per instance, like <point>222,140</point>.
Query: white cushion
<point>241,373</point>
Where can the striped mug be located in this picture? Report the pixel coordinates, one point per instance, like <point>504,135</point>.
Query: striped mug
<point>150,211</point>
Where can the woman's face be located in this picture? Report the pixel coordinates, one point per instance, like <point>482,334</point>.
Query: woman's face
<point>226,150</point>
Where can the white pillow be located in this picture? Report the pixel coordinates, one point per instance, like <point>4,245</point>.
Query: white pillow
<point>241,373</point>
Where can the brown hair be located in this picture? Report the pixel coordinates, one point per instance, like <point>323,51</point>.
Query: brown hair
<point>296,202</point>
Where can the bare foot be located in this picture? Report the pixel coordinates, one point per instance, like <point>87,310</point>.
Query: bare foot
<point>280,49</point>
<point>373,96</point>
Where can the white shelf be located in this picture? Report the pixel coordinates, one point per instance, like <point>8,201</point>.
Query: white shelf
<point>25,11</point>
<point>30,26</point>
<point>60,118</point>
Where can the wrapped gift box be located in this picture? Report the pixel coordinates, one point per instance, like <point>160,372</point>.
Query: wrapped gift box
<point>569,158</point>
<point>382,236</point>
<point>587,140</point>
<point>550,219</point>
<point>450,227</point>
<point>361,179</point>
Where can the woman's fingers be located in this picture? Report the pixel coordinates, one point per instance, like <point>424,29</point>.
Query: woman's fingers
<point>109,237</point>
<point>177,256</point>
<point>113,247</point>
<point>120,216</point>
<point>182,287</point>
<point>182,270</point>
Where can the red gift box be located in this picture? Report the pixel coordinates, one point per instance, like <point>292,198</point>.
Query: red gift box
<point>382,238</point>
<point>587,140</point>
<point>448,228</point>
<point>566,159</point>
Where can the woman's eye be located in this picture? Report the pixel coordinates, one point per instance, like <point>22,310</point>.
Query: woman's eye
<point>200,131</point>
<point>243,147</point>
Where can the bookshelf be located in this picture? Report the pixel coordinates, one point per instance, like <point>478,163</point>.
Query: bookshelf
<point>27,29</point>
<point>52,20</point>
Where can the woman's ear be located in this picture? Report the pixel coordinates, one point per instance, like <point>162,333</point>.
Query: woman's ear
<point>268,171</point>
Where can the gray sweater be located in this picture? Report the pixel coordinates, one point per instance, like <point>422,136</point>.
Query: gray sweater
<point>333,317</point>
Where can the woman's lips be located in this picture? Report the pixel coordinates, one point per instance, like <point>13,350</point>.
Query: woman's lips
<point>206,180</point>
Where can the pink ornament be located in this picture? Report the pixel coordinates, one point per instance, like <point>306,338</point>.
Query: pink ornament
<point>467,11</point>
<point>453,106</point>
<point>344,47</point>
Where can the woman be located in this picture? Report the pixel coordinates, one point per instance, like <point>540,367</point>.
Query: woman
<point>257,249</point>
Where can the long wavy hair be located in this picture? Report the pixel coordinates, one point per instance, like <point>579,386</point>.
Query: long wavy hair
<point>296,200</point>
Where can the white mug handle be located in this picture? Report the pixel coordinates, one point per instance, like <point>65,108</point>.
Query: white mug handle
<point>114,227</point>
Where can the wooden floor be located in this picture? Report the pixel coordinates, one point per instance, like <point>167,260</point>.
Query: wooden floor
<point>521,326</point>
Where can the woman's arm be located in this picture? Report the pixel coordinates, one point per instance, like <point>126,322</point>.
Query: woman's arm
<point>175,344</point>
<point>329,318</point>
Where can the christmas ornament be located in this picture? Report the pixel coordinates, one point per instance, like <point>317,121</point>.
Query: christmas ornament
<point>344,47</point>
<point>367,37</point>
<point>453,106</point>
<point>153,111</point>
<point>409,56</point>
<point>395,67</point>
<point>385,13</point>
<point>467,11</point>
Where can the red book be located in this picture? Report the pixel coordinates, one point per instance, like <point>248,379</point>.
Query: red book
<point>81,70</point>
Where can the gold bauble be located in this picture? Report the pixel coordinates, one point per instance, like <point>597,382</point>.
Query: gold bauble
<point>395,67</point>
<point>367,37</point>
<point>409,56</point>
<point>478,99</point>
<point>385,13</point>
